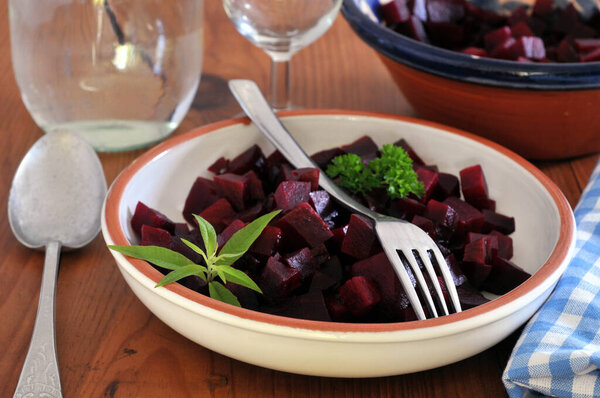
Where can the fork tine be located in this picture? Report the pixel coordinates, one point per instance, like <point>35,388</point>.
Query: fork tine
<point>434,280</point>
<point>409,289</point>
<point>445,270</point>
<point>412,260</point>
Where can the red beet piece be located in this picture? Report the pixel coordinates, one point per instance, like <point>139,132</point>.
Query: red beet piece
<point>592,56</point>
<point>145,215</point>
<point>565,52</point>
<point>469,296</point>
<point>496,37</point>
<point>476,273</point>
<point>521,29</point>
<point>267,242</point>
<point>474,186</point>
<point>228,232</point>
<point>469,218</point>
<point>402,143</point>
<point>277,280</point>
<point>587,45</point>
<point>505,245</point>
<point>504,277</point>
<point>321,201</point>
<point>323,158</point>
<point>320,253</point>
<point>418,9</point>
<point>537,25</point>
<point>360,295</point>
<point>446,34</point>
<point>219,214</point>
<point>395,11</point>
<point>251,159</point>
<point>337,309</point>
<point>290,193</point>
<point>286,173</point>
<point>414,28</point>
<point>482,250</point>
<point>334,245</point>
<point>303,225</point>
<point>360,238</point>
<point>219,166</point>
<point>504,51</point>
<point>333,268</point>
<point>303,261</point>
<point>477,51</point>
<point>233,187</point>
<point>181,229</point>
<point>448,185</point>
<point>457,275</point>
<point>567,21</point>
<point>582,31</point>
<point>498,222</point>
<point>489,17</point>
<point>518,15</point>
<point>543,8</point>
<point>251,213</point>
<point>445,10</point>
<point>528,47</point>
<point>425,224</point>
<point>255,187</point>
<point>310,305</point>
<point>321,281</point>
<point>308,174</point>
<point>202,194</point>
<point>443,216</point>
<point>152,236</point>
<point>364,147</point>
<point>429,179</point>
<point>246,297</point>
<point>407,208</point>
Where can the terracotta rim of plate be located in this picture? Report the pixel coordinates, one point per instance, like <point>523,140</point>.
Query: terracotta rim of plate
<point>554,261</point>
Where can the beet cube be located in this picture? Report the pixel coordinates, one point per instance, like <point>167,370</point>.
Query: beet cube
<point>286,173</point>
<point>474,186</point>
<point>425,224</point>
<point>246,297</point>
<point>443,216</point>
<point>320,253</point>
<point>476,273</point>
<point>457,275</point>
<point>446,34</point>
<point>418,9</point>
<point>505,245</point>
<point>323,158</point>
<point>251,213</point>
<point>304,223</point>
<point>587,45</point>
<point>543,8</point>
<point>537,25</point>
<point>504,50</point>
<point>395,11</point>
<point>202,194</point>
<point>321,281</point>
<point>152,236</point>
<point>518,15</point>
<point>219,214</point>
<point>337,309</point>
<point>448,185</point>
<point>498,222</point>
<point>308,174</point>
<point>310,305</point>
<point>496,37</point>
<point>144,215</point>
<point>521,29</point>
<point>364,147</point>
<point>321,201</point>
<point>251,159</point>
<point>360,295</point>
<point>429,179</point>
<point>181,248</point>
<point>591,56</point>
<point>181,229</point>
<point>469,296</point>
<point>277,280</point>
<point>469,218</point>
<point>481,251</point>
<point>228,232</point>
<point>290,193</point>
<point>414,28</point>
<point>504,277</point>
<point>402,143</point>
<point>565,52</point>
<point>219,166</point>
<point>567,20</point>
<point>249,263</point>
<point>303,261</point>
<point>407,208</point>
<point>233,187</point>
<point>476,51</point>
<point>445,10</point>
<point>360,238</point>
<point>530,47</point>
<point>334,245</point>
<point>255,187</point>
<point>267,242</point>
<point>333,268</point>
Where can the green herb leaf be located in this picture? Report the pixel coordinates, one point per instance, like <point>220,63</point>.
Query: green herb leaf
<point>353,175</point>
<point>241,241</point>
<point>221,293</point>
<point>239,277</point>
<point>221,274</point>
<point>157,255</point>
<point>209,236</point>
<point>195,248</point>
<point>180,273</point>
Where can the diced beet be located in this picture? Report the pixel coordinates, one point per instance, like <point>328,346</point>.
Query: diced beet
<point>249,263</point>
<point>457,275</point>
<point>202,194</point>
<point>530,47</point>
<point>144,215</point>
<point>277,280</point>
<point>521,29</point>
<point>364,147</point>
<point>402,143</point>
<point>303,226</point>
<point>251,159</point>
<point>469,218</point>
<point>476,273</point>
<point>582,31</point>
<point>418,9</point>
<point>246,297</point>
<point>320,253</point>
<point>443,216</point>
<point>219,214</point>
<point>587,45</point>
<point>310,305</point>
<point>395,11</point>
<point>255,187</point>
<point>360,295</point>
<point>481,251</point>
<point>275,159</point>
<point>591,56</point>
<point>181,229</point>
<point>333,268</point>
<point>303,261</point>
<point>321,201</point>
<point>496,37</point>
<point>425,224</point>
<point>504,51</point>
<point>543,8</point>
<point>477,51</point>
<point>504,277</point>
<point>308,174</point>
<point>537,25</point>
<point>267,242</point>
<point>488,17</point>
<point>233,187</point>
<point>228,232</point>
<point>518,15</point>
<point>290,193</point>
<point>445,10</point>
<point>567,20</point>
<point>152,236</point>
<point>181,248</point>
<point>360,238</point>
<point>414,28</point>
<point>469,296</point>
<point>407,208</point>
<point>251,213</point>
<point>505,245</point>
<point>321,281</point>
<point>446,34</point>
<point>286,173</point>
<point>565,52</point>
<point>474,186</point>
<point>498,222</point>
<point>334,245</point>
<point>429,179</point>
<point>337,309</point>
<point>219,166</point>
<point>323,158</point>
<point>448,185</point>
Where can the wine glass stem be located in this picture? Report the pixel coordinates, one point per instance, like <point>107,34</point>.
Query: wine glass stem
<point>280,84</point>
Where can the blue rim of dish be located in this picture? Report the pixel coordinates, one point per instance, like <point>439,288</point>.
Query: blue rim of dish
<point>462,67</point>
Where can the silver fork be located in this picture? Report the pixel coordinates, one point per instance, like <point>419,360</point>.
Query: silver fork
<point>396,236</point>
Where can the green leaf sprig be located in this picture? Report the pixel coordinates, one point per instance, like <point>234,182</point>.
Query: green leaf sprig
<point>392,171</point>
<point>218,265</point>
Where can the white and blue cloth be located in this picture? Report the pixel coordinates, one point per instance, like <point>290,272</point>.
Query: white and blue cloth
<point>558,353</point>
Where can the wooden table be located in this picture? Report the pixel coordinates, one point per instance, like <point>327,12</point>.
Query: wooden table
<point>109,344</point>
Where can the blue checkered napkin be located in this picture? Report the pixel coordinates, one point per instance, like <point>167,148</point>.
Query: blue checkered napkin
<point>558,353</point>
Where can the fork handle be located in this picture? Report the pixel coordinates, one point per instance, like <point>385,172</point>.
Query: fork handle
<point>256,107</point>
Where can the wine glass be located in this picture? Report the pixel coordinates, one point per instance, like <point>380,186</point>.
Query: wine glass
<point>281,28</point>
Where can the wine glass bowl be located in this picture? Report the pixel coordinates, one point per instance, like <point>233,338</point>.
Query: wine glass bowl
<point>281,28</point>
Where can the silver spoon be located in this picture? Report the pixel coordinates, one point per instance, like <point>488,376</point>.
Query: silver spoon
<point>55,201</point>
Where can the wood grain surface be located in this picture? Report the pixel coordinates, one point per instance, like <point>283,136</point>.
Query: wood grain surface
<point>109,344</point>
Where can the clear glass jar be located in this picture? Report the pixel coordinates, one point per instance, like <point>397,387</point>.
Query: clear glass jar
<point>122,73</point>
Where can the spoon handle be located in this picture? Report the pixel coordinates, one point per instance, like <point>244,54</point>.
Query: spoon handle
<point>40,375</point>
